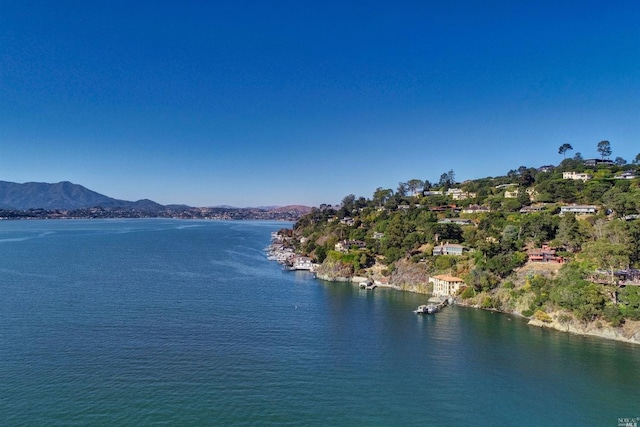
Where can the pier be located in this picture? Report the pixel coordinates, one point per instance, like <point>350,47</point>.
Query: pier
<point>435,305</point>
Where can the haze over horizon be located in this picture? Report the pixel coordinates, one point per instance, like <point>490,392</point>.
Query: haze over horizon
<point>250,104</point>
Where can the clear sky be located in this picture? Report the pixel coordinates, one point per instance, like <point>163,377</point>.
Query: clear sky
<point>252,103</point>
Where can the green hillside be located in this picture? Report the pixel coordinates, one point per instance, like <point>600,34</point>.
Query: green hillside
<point>585,213</point>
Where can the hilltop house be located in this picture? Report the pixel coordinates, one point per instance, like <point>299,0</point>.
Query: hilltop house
<point>445,285</point>
<point>448,249</point>
<point>581,176</point>
<point>598,162</point>
<point>626,175</point>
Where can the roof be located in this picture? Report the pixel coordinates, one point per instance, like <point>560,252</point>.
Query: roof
<point>448,278</point>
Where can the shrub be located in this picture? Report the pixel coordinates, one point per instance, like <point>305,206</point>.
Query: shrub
<point>542,316</point>
<point>469,292</point>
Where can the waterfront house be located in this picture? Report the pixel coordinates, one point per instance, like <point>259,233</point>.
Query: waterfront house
<point>445,285</point>
<point>302,263</point>
<point>448,249</point>
<point>578,209</point>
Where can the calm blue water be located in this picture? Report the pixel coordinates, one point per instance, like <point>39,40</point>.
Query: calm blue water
<point>159,322</point>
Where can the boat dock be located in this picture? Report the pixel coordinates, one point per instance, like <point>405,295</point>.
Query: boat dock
<point>436,304</point>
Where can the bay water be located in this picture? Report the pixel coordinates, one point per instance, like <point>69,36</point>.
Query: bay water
<point>186,323</point>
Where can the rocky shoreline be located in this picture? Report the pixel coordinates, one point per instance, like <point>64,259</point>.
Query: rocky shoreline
<point>629,332</point>
<point>280,251</point>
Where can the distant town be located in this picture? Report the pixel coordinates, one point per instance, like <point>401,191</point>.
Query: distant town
<point>289,213</point>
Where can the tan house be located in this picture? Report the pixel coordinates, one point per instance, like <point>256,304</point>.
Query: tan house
<point>445,285</point>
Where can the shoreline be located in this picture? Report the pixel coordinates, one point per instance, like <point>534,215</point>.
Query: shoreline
<point>574,327</point>
<point>628,333</point>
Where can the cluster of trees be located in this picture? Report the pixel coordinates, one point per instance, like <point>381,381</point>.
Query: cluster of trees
<point>404,224</point>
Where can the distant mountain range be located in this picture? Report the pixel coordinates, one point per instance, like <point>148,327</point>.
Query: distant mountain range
<point>68,196</point>
<point>63,195</point>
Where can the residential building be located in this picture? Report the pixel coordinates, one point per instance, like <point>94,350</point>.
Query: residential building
<point>513,194</point>
<point>626,175</point>
<point>533,208</point>
<point>457,221</point>
<point>473,209</point>
<point>459,194</point>
<point>581,176</point>
<point>546,168</point>
<point>598,162</point>
<point>579,209</point>
<point>302,263</point>
<point>445,285</point>
<point>448,249</point>
<point>345,245</point>
<point>544,254</point>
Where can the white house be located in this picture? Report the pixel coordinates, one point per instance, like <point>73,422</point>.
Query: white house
<point>302,263</point>
<point>578,209</point>
<point>457,221</point>
<point>472,209</point>
<point>581,176</point>
<point>445,285</point>
<point>626,175</point>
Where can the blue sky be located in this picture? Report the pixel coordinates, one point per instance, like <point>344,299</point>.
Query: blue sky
<point>253,103</point>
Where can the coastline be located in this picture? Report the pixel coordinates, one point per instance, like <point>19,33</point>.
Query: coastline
<point>627,333</point>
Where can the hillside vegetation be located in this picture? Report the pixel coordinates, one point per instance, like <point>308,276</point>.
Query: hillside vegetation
<point>498,221</point>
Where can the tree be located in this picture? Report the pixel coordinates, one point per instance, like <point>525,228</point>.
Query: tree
<point>451,176</point>
<point>611,256</point>
<point>619,161</point>
<point>569,233</point>
<point>636,161</point>
<point>381,195</point>
<point>443,179</point>
<point>402,189</point>
<point>604,148</point>
<point>348,202</point>
<point>578,157</point>
<point>563,150</point>
<point>415,185</point>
